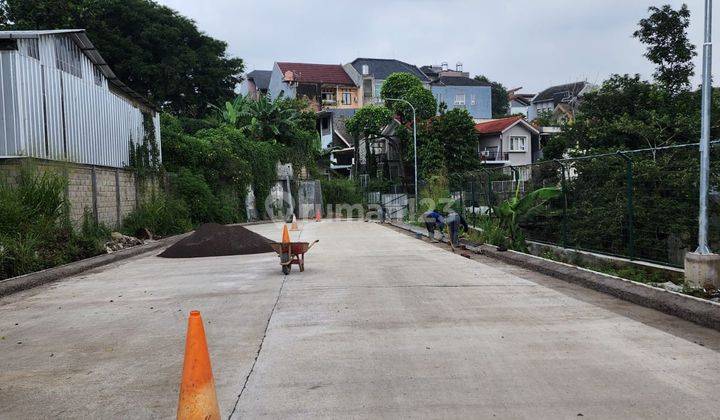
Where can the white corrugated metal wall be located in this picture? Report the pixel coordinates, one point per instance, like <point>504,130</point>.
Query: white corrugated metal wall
<point>52,114</point>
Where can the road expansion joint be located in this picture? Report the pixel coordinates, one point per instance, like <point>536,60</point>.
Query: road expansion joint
<point>257,354</point>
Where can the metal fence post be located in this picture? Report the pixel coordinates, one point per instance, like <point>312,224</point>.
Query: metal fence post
<point>472,200</point>
<point>630,207</point>
<point>565,203</point>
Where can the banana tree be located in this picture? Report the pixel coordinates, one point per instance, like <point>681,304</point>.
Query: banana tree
<point>511,211</point>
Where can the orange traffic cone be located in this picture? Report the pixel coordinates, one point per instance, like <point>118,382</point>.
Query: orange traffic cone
<point>317,216</point>
<point>285,235</point>
<point>294,226</point>
<point>197,389</point>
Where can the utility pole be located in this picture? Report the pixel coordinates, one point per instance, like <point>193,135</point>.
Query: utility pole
<point>702,267</point>
<point>703,248</point>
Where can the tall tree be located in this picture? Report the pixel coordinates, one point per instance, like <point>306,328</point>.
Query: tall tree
<point>410,88</point>
<point>665,34</point>
<point>155,50</point>
<point>499,98</point>
<point>454,133</point>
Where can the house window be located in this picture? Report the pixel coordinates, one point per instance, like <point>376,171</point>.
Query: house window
<point>378,89</point>
<point>346,98</point>
<point>517,143</point>
<point>67,56</point>
<point>473,100</point>
<point>367,88</point>
<point>98,75</point>
<point>460,99</point>
<point>328,97</point>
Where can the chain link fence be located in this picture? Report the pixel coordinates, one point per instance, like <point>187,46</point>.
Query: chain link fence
<point>640,204</point>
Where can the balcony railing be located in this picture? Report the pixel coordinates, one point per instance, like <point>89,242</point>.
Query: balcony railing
<point>493,154</point>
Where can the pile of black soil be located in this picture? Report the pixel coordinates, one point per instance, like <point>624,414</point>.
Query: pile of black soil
<point>214,240</point>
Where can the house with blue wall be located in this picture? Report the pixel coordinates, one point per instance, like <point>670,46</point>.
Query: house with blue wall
<point>465,93</point>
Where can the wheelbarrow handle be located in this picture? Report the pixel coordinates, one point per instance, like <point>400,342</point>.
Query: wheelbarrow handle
<point>310,246</point>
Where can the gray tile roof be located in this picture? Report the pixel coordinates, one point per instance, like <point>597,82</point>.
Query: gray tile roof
<point>458,81</point>
<point>261,78</point>
<point>381,68</point>
<point>556,93</point>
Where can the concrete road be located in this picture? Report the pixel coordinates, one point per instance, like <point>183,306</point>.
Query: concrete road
<point>379,325</point>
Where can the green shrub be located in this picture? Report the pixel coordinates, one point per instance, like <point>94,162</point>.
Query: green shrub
<point>160,214</point>
<point>196,193</point>
<point>35,231</point>
<point>340,191</point>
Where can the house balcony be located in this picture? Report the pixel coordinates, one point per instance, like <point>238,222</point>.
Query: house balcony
<point>493,155</point>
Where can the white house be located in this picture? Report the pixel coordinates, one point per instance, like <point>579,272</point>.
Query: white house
<point>508,141</point>
<point>61,101</point>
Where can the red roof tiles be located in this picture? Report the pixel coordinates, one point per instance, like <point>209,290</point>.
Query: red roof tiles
<point>318,73</point>
<point>496,126</point>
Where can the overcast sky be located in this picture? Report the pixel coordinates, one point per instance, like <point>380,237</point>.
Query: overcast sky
<point>529,43</point>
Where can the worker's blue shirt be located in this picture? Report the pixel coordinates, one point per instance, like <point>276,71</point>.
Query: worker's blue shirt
<point>433,217</point>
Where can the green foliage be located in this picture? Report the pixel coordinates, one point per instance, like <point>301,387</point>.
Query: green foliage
<point>628,113</point>
<point>369,121</point>
<point>664,33</point>
<point>489,231</point>
<point>160,214</point>
<point>510,212</point>
<point>455,132</point>
<point>340,191</point>
<point>410,88</point>
<point>35,232</point>
<point>260,118</point>
<point>500,103</point>
<point>155,50</point>
<point>434,195</point>
<point>196,193</point>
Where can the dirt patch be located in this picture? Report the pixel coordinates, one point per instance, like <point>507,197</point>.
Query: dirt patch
<point>214,240</point>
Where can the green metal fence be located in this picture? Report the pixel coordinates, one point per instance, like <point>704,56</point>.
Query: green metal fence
<point>640,204</point>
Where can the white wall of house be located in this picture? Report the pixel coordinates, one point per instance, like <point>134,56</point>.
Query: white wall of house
<point>57,105</point>
<point>517,157</point>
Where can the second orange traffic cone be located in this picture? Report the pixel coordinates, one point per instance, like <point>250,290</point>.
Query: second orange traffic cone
<point>285,235</point>
<point>317,216</point>
<point>197,389</point>
<point>294,225</point>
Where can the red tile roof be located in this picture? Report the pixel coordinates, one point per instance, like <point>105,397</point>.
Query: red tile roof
<point>496,126</point>
<point>318,73</point>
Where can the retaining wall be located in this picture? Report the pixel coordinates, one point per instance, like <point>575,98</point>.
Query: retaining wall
<point>109,194</point>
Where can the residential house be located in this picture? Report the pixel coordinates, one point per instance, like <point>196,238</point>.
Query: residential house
<point>519,103</point>
<point>256,83</point>
<point>510,141</point>
<point>464,93</point>
<point>374,71</point>
<point>325,86</point>
<point>568,95</point>
<point>456,89</point>
<point>60,101</point>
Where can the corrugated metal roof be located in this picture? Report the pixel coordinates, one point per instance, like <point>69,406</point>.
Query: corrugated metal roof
<point>81,39</point>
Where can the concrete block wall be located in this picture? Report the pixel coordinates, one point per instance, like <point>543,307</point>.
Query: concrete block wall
<point>108,194</point>
<point>79,193</point>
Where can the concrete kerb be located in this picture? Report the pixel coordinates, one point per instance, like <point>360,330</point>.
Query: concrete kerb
<point>689,308</point>
<point>38,278</point>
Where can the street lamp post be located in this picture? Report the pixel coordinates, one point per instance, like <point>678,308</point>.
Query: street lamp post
<point>703,248</point>
<point>414,146</point>
<point>702,267</point>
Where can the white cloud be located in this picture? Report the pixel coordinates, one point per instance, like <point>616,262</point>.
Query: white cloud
<point>528,43</point>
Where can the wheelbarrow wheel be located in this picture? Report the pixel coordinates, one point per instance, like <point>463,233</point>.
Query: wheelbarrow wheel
<point>285,261</point>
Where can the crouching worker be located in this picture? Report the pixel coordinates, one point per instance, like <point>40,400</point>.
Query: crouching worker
<point>433,220</point>
<point>454,221</point>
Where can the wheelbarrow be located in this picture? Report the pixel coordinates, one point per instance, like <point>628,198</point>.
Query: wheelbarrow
<point>292,253</point>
